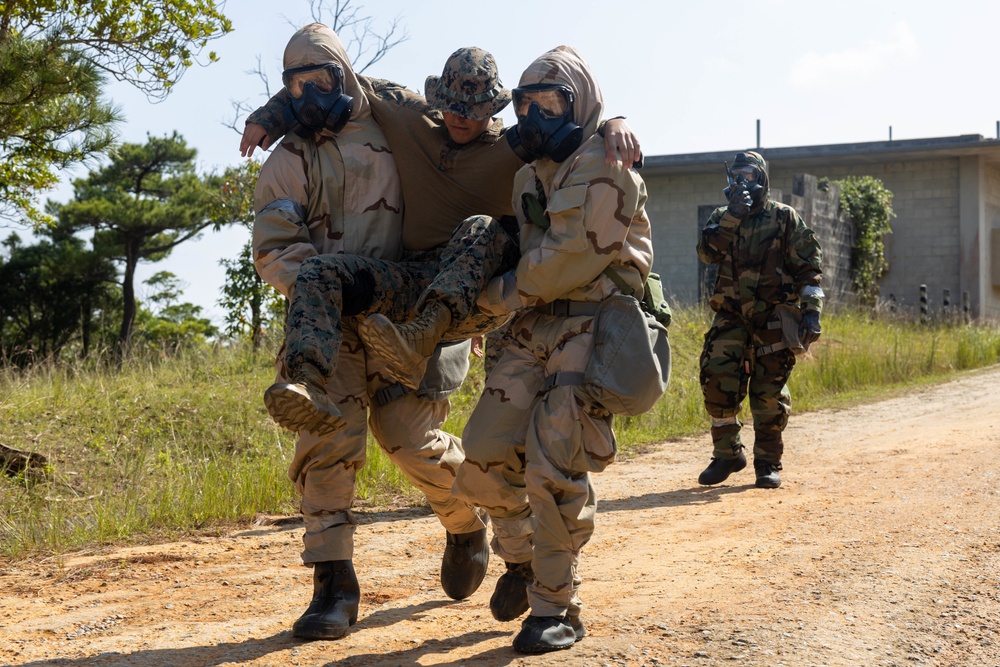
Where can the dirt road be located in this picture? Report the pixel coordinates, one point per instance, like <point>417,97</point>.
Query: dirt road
<point>881,548</point>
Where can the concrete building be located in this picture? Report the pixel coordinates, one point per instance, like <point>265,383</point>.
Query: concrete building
<point>946,233</point>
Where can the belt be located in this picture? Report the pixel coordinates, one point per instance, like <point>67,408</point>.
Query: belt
<point>566,308</point>
<point>389,394</point>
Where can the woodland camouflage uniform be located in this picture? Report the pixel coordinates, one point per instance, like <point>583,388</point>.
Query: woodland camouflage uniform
<point>764,260</point>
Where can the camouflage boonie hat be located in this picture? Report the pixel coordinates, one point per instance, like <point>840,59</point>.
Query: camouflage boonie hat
<point>469,86</point>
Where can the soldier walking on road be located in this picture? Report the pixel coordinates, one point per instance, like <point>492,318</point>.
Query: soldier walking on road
<point>538,431</point>
<point>767,302</point>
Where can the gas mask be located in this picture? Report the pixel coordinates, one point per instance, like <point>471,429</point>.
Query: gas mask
<point>318,99</point>
<point>545,126</point>
<point>747,176</point>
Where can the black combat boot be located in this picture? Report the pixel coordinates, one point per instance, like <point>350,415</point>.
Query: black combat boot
<point>541,634</point>
<point>510,597</point>
<point>719,470</point>
<point>334,606</point>
<point>463,566</point>
<point>767,474</point>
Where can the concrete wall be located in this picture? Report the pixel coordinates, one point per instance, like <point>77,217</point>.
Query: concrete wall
<point>673,212</point>
<point>991,225</point>
<point>924,248</point>
<point>820,210</point>
<point>924,245</point>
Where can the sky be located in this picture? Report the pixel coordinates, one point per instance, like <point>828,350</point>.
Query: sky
<point>689,77</point>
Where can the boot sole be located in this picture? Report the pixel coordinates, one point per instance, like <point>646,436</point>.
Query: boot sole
<point>323,631</point>
<point>295,411</point>
<point>544,648</point>
<point>378,335</point>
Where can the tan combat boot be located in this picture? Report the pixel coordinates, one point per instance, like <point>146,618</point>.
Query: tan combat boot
<point>303,404</point>
<point>407,347</point>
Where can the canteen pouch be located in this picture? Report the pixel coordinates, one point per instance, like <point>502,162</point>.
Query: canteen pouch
<point>630,367</point>
<point>653,301</point>
<point>790,319</point>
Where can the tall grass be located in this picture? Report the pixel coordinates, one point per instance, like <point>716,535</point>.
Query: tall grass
<point>169,445</point>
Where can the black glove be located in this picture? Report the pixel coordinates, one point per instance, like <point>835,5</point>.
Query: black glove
<point>739,200</point>
<point>809,330</point>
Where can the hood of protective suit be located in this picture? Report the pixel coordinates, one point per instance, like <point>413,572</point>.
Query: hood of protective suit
<point>755,160</point>
<point>563,65</point>
<point>317,44</point>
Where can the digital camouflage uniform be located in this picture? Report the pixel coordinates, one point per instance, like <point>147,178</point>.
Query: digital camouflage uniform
<point>764,260</point>
<point>530,448</point>
<point>339,196</point>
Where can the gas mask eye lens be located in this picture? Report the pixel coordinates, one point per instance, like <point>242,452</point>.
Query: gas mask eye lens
<point>747,174</point>
<point>552,102</point>
<point>326,78</point>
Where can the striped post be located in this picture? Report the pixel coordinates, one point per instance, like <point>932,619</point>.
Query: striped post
<point>923,305</point>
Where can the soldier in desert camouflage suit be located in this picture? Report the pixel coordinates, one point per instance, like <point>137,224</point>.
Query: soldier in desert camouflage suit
<point>333,193</point>
<point>768,259</point>
<point>537,434</point>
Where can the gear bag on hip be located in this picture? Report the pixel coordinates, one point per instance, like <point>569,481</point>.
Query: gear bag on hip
<point>790,319</point>
<point>630,367</point>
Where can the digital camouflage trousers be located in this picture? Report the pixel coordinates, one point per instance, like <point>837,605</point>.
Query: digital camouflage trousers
<point>329,288</point>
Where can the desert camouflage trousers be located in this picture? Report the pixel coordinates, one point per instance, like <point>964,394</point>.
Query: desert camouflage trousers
<point>730,368</point>
<point>328,286</point>
<point>495,343</point>
<point>530,449</point>
<point>408,429</point>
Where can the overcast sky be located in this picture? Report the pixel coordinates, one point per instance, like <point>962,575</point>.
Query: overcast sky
<point>689,76</point>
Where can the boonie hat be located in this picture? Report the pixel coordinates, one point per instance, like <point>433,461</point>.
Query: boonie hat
<point>469,86</point>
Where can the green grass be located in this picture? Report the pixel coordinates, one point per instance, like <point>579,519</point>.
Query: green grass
<point>171,445</point>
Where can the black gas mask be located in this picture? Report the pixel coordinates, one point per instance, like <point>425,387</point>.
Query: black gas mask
<point>545,126</point>
<point>318,99</point>
<point>745,176</point>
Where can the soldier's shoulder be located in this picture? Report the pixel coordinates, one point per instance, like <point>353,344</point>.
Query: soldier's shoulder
<point>383,90</point>
<point>785,209</point>
<point>379,86</point>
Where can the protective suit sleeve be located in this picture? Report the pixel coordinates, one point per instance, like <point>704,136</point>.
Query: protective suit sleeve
<point>804,263</point>
<point>281,239</point>
<point>589,222</point>
<point>717,236</point>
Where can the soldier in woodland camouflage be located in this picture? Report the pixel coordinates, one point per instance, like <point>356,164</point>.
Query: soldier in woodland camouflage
<point>769,271</point>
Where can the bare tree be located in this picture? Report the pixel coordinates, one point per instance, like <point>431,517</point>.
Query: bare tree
<point>364,45</point>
